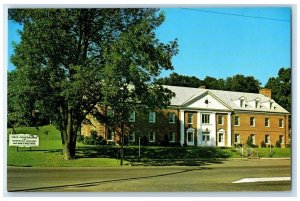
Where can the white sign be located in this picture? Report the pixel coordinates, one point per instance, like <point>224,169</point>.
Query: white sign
<point>23,140</point>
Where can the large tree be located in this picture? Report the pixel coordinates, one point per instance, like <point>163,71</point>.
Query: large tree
<point>66,55</point>
<point>281,88</point>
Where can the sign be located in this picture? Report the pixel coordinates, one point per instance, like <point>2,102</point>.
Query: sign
<point>23,140</point>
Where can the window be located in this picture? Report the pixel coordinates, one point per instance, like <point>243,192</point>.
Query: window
<point>151,136</point>
<point>242,103</point>
<point>152,117</point>
<point>190,137</point>
<point>132,117</point>
<point>221,137</point>
<point>267,139</point>
<point>110,113</point>
<point>256,104</point>
<point>236,120</point>
<point>205,118</point>
<point>131,136</point>
<point>253,138</point>
<point>281,139</point>
<point>172,137</point>
<point>205,136</point>
<point>252,121</point>
<point>172,117</point>
<point>237,138</point>
<point>281,123</point>
<point>221,119</point>
<point>267,122</point>
<point>110,135</point>
<point>190,118</point>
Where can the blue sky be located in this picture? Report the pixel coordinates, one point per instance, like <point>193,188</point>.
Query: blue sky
<point>219,45</point>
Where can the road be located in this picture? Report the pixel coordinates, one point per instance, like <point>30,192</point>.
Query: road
<point>206,178</point>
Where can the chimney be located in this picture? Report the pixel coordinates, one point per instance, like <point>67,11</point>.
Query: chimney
<point>202,87</point>
<point>266,92</point>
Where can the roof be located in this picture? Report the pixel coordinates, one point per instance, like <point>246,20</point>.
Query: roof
<point>186,94</point>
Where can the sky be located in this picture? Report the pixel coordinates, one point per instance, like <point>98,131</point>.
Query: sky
<point>221,42</point>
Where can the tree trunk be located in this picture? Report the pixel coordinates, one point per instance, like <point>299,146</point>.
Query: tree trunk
<point>69,135</point>
<point>122,143</point>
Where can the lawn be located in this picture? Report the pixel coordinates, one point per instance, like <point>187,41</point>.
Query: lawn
<point>49,153</point>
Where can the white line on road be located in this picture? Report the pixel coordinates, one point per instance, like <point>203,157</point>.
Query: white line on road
<point>249,180</point>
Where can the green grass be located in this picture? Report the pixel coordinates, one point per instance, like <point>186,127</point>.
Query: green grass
<point>49,153</point>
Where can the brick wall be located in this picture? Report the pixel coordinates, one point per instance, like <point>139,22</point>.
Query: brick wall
<point>260,130</point>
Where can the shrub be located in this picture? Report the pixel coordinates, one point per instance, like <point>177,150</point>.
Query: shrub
<point>144,140</point>
<point>94,139</point>
<point>278,144</point>
<point>263,144</point>
<point>80,138</point>
<point>165,141</point>
<point>250,142</point>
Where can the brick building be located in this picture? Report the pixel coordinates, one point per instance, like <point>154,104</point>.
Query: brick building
<point>205,117</point>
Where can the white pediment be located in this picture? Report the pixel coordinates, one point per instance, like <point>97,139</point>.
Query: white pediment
<point>207,101</point>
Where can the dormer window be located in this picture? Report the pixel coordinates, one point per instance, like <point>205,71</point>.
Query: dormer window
<point>257,104</point>
<point>242,103</point>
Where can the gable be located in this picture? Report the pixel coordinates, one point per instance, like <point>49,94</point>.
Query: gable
<point>207,101</point>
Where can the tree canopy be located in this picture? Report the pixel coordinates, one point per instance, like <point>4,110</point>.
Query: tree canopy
<point>281,88</point>
<point>70,60</point>
<point>235,83</point>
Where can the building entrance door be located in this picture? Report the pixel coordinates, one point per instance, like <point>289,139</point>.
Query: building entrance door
<point>221,139</point>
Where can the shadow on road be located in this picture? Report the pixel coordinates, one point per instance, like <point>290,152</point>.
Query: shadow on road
<point>89,184</point>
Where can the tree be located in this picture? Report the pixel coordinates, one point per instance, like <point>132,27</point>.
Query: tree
<point>65,56</point>
<point>281,88</point>
<point>242,83</point>
<point>175,79</point>
<point>213,83</point>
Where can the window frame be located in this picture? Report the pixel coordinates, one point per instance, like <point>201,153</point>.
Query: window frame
<point>133,134</point>
<point>267,120</point>
<point>204,120</point>
<point>149,134</point>
<point>253,137</point>
<point>222,119</point>
<point>153,114</point>
<point>281,123</point>
<point>190,117</point>
<point>173,134</point>
<point>205,136</point>
<point>267,138</point>
<point>132,120</point>
<point>253,121</point>
<point>172,115</point>
<point>237,138</point>
<point>236,118</point>
<point>112,133</point>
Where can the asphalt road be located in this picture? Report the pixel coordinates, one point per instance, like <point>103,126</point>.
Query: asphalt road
<point>206,178</point>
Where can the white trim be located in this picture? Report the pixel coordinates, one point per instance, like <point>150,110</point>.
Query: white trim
<point>154,117</point>
<point>229,140</point>
<point>132,120</point>
<point>153,136</point>
<point>181,127</point>
<point>198,128</point>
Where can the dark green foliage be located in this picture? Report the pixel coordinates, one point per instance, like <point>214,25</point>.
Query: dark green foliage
<point>278,144</point>
<point>94,139</point>
<point>175,79</point>
<point>71,60</point>
<point>281,88</point>
<point>263,144</point>
<point>144,140</point>
<point>235,83</point>
<point>250,142</point>
<point>165,141</point>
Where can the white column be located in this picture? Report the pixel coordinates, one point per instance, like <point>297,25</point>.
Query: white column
<point>181,127</point>
<point>229,130</point>
<point>213,133</point>
<point>198,128</point>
